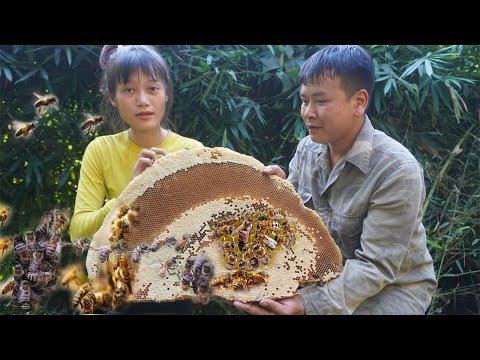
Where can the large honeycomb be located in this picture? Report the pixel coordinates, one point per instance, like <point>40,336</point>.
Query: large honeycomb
<point>188,196</point>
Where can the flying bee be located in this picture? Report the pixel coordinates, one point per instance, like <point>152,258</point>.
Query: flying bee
<point>4,213</point>
<point>7,287</point>
<point>91,123</point>
<point>44,103</point>
<point>72,275</point>
<point>61,220</point>
<point>4,245</point>
<point>23,128</point>
<point>84,289</point>
<point>81,245</point>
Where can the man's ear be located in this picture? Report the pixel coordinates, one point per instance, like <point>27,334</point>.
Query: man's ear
<point>113,102</point>
<point>360,102</point>
<point>166,98</point>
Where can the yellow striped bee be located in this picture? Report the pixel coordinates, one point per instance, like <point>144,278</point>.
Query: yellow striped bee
<point>22,128</point>
<point>44,102</point>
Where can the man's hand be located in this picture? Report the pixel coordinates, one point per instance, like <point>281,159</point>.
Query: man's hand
<point>274,170</point>
<point>288,306</point>
<point>146,159</point>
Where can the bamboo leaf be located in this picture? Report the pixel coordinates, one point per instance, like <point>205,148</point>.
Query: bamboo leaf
<point>428,67</point>
<point>68,52</point>
<point>8,73</point>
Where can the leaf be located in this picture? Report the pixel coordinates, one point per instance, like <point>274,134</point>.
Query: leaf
<point>435,244</point>
<point>428,67</point>
<point>435,97</point>
<point>8,73</point>
<point>388,84</point>
<point>224,139</point>
<point>44,74</point>
<point>269,63</point>
<point>27,75</point>
<point>209,87</point>
<point>246,111</point>
<point>459,266</point>
<point>57,53</point>
<point>474,242</point>
<point>270,47</point>
<point>232,73</point>
<point>244,131</point>
<point>68,52</point>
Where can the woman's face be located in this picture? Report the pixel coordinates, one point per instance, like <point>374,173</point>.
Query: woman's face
<point>141,102</point>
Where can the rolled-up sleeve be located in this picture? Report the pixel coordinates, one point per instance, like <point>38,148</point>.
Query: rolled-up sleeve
<point>393,216</point>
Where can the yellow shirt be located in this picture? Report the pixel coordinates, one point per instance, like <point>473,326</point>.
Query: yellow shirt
<point>107,169</point>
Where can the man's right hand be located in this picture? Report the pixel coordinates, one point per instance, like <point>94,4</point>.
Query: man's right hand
<point>274,170</point>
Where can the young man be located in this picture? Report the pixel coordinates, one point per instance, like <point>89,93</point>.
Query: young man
<point>368,190</point>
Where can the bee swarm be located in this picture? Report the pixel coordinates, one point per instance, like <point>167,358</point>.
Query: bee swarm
<point>250,232</point>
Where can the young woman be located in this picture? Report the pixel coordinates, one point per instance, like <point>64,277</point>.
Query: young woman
<point>138,96</point>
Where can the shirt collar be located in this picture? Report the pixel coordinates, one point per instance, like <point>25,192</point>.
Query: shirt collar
<point>361,150</point>
<point>358,155</point>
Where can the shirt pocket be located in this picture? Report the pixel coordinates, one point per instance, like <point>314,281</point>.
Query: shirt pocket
<point>347,231</point>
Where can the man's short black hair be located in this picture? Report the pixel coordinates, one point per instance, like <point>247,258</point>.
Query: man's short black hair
<point>351,63</point>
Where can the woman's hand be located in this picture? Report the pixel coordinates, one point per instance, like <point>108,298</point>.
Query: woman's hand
<point>146,159</point>
<point>274,170</point>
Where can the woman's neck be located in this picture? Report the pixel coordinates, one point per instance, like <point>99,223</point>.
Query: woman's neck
<point>148,139</point>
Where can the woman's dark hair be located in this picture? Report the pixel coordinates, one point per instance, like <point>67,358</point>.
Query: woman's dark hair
<point>118,64</point>
<point>351,63</point>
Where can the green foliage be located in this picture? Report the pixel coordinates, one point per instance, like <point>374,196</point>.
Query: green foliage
<point>246,98</point>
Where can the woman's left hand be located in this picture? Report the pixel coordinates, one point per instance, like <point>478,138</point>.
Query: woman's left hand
<point>146,159</point>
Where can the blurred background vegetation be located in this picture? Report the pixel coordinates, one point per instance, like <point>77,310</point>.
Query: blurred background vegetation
<point>246,98</point>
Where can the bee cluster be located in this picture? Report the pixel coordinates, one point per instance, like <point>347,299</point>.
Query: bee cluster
<point>196,274</point>
<point>126,217</point>
<point>36,260</point>
<point>90,300</point>
<point>248,242</point>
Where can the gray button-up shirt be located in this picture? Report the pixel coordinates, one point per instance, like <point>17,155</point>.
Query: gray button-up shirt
<point>371,203</point>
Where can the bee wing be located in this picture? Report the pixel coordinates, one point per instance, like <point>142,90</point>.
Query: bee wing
<point>17,125</point>
<point>37,95</point>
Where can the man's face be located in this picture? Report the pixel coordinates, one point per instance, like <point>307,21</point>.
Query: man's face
<point>328,112</point>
